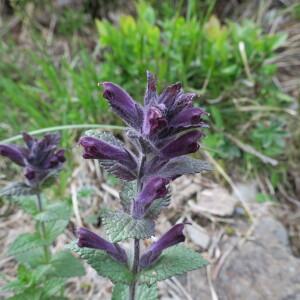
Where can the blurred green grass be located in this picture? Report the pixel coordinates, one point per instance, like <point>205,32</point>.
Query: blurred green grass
<point>227,63</point>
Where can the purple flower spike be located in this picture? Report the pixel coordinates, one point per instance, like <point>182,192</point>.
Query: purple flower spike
<point>154,121</point>
<point>14,153</point>
<point>122,103</point>
<point>185,144</point>
<point>170,238</point>
<point>40,159</point>
<point>155,188</point>
<point>187,117</point>
<point>88,239</point>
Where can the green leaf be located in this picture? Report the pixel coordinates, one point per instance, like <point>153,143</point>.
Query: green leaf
<point>56,211</point>
<point>25,242</point>
<point>54,229</point>
<point>64,264</point>
<point>30,293</point>
<point>183,165</point>
<point>173,261</point>
<point>127,195</point>
<point>16,189</point>
<point>121,226</point>
<point>156,207</point>
<point>143,292</point>
<point>104,264</point>
<point>52,287</point>
<point>28,204</point>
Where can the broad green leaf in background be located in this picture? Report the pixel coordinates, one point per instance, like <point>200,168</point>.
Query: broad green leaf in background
<point>26,242</point>
<point>64,264</point>
<point>173,261</point>
<point>54,229</point>
<point>56,211</point>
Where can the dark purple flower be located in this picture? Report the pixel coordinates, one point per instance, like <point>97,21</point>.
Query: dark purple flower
<point>185,144</point>
<point>14,153</point>
<point>168,96</point>
<point>40,159</point>
<point>188,117</point>
<point>122,104</point>
<point>151,93</point>
<point>172,237</point>
<point>183,101</point>
<point>154,188</point>
<point>98,149</point>
<point>154,120</point>
<point>88,239</point>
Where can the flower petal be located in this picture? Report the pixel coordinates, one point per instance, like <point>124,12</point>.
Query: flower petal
<point>189,116</point>
<point>154,121</point>
<point>123,104</point>
<point>14,153</point>
<point>185,144</point>
<point>170,238</point>
<point>151,93</point>
<point>153,189</point>
<point>168,96</point>
<point>97,149</point>
<point>89,239</point>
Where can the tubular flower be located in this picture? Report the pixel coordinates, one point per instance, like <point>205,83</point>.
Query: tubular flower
<point>123,105</point>
<point>40,158</point>
<point>153,189</point>
<point>89,239</point>
<point>185,144</point>
<point>116,159</point>
<point>170,238</point>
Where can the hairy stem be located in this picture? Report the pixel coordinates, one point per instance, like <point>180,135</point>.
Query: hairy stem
<point>43,228</point>
<point>136,258</point>
<point>136,242</point>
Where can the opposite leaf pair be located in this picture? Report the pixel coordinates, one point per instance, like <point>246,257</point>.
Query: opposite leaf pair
<point>89,239</point>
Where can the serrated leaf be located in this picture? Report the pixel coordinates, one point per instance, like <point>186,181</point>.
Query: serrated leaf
<point>64,264</point>
<point>15,286</point>
<point>156,206</point>
<point>104,264</point>
<point>56,211</point>
<point>127,195</point>
<point>54,229</point>
<point>34,257</point>
<point>121,292</point>
<point>52,287</point>
<point>183,165</point>
<point>173,261</point>
<point>25,242</point>
<point>121,226</point>
<point>16,189</point>
<point>28,204</point>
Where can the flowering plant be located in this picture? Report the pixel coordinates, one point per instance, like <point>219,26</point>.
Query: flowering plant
<point>162,133</point>
<point>41,273</point>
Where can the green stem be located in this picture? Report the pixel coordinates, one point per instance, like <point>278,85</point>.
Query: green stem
<point>136,243</point>
<point>43,228</point>
<point>63,127</point>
